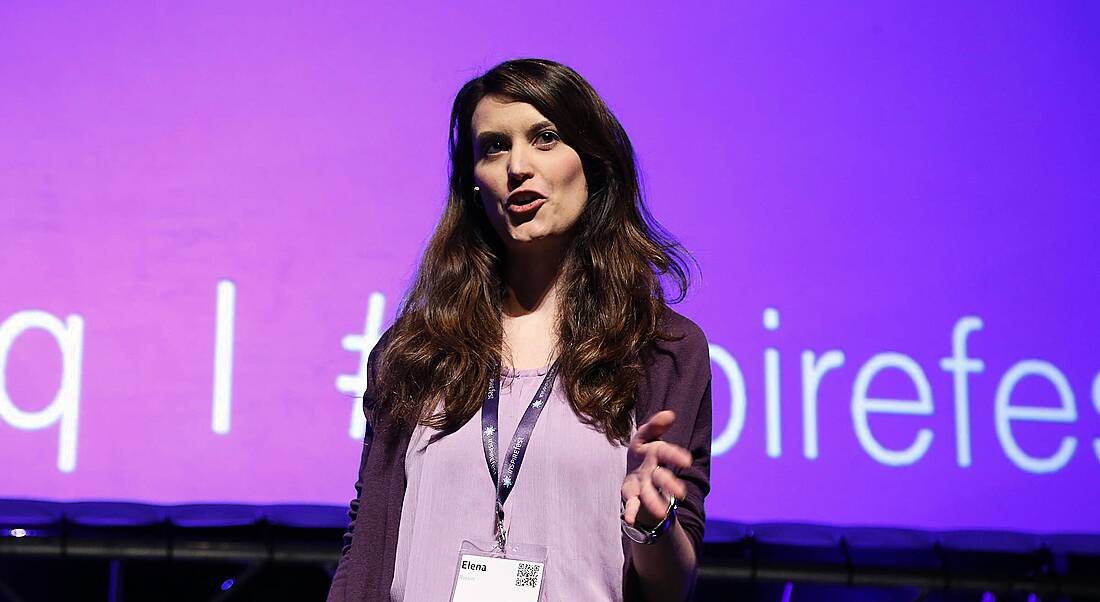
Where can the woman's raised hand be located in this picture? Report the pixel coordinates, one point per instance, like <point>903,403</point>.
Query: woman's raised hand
<point>646,489</point>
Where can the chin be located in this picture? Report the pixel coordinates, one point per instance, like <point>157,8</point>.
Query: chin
<point>530,232</point>
<point>521,239</point>
<point>525,240</point>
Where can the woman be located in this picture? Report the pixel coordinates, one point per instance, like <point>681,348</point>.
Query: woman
<point>538,303</point>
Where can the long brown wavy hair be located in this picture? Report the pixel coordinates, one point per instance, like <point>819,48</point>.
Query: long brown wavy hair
<point>446,341</point>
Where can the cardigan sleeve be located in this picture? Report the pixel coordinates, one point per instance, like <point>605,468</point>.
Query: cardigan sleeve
<point>370,410</point>
<point>677,377</point>
<point>689,396</point>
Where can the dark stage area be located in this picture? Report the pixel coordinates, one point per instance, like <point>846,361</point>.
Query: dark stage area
<point>124,551</point>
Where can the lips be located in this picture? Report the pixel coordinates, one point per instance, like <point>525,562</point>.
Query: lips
<point>524,197</point>
<point>527,207</point>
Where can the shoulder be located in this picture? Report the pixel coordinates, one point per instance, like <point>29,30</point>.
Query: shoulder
<point>371,398</point>
<point>377,353</point>
<point>687,342</point>
<point>675,368</point>
<point>680,325</point>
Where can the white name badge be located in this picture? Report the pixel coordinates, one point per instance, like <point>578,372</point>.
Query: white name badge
<point>483,577</point>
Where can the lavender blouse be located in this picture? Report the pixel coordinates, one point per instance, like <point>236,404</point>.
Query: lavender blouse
<point>675,376</point>
<point>566,497</point>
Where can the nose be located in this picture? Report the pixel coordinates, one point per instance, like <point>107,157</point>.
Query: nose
<point>520,168</point>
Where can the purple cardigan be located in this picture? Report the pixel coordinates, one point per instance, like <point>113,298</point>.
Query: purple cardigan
<point>676,377</point>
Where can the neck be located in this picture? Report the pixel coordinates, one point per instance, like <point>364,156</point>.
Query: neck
<point>532,277</point>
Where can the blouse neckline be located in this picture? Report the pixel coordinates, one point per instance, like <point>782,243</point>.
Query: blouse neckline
<point>508,372</point>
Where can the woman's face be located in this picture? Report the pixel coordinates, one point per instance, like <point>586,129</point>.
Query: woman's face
<point>532,184</point>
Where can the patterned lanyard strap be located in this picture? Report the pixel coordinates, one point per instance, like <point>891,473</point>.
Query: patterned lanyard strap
<point>504,476</point>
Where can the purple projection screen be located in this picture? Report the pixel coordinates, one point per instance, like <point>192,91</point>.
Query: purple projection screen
<point>208,214</point>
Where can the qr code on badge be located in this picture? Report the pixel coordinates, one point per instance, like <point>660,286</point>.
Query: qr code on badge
<point>527,575</point>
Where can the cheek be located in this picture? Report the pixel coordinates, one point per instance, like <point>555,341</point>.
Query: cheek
<point>576,185</point>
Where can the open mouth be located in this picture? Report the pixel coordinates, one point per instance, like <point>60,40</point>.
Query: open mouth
<point>525,205</point>
<point>524,197</point>
<point>527,200</point>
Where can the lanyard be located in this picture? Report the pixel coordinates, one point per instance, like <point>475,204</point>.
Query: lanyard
<point>505,477</point>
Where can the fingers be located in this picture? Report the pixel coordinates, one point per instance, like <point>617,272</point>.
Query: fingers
<point>669,454</point>
<point>662,453</point>
<point>632,487</point>
<point>645,442</point>
<point>646,491</point>
<point>665,480</point>
<point>652,501</point>
<point>656,426</point>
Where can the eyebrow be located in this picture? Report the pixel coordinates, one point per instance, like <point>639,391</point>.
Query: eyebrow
<point>535,127</point>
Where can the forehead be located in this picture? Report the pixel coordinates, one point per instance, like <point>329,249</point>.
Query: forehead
<point>499,114</point>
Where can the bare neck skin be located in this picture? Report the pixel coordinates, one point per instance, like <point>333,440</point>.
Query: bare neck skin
<point>530,307</point>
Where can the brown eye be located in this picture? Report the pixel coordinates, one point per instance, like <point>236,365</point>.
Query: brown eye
<point>547,137</point>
